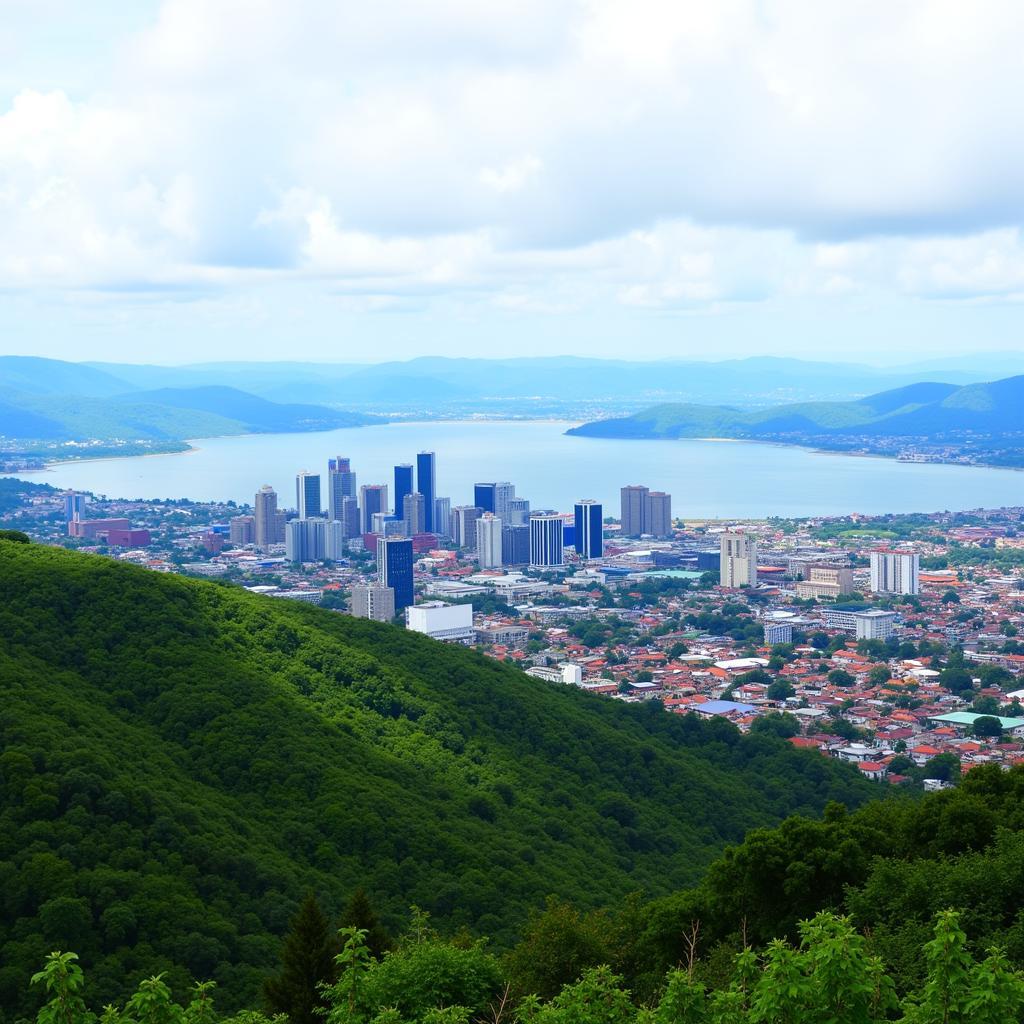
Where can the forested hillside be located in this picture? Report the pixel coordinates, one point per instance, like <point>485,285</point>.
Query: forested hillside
<point>181,761</point>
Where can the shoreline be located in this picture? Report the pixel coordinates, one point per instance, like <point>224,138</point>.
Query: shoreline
<point>813,449</point>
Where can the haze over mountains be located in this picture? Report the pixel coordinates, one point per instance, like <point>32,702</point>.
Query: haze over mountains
<point>927,409</point>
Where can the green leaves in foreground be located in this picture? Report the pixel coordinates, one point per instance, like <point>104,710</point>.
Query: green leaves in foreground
<point>829,978</point>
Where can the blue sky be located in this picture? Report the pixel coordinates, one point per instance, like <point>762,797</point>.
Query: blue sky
<point>186,180</point>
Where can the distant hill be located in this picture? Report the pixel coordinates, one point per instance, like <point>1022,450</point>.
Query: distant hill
<point>180,761</point>
<point>36,376</point>
<point>163,414</point>
<point>932,410</point>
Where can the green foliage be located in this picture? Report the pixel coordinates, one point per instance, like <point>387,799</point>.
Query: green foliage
<point>181,762</point>
<point>307,962</point>
<point>15,537</point>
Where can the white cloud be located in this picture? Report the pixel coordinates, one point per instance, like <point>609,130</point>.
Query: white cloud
<point>546,154</point>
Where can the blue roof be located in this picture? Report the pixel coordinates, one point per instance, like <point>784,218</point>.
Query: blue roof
<point>723,707</point>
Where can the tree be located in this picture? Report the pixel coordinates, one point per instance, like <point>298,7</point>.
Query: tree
<point>307,961</point>
<point>879,675</point>
<point>987,725</point>
<point>840,677</point>
<point>780,690</point>
<point>945,767</point>
<point>359,914</point>
<point>777,724</point>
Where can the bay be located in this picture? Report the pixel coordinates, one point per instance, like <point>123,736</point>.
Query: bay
<point>707,479</point>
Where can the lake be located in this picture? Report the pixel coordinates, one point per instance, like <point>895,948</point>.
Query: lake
<point>720,479</point>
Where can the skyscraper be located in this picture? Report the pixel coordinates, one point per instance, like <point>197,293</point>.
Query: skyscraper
<point>341,484</point>
<point>658,514</point>
<point>442,517</point>
<point>348,516</point>
<point>589,529</point>
<point>305,540</point>
<point>488,541</point>
<point>414,513</point>
<point>373,498</point>
<point>464,519</point>
<point>426,484</point>
<point>307,495</point>
<point>739,560</point>
<point>269,524</point>
<point>518,512</point>
<point>74,505</point>
<point>515,544</point>
<point>403,486</point>
<point>242,530</point>
<point>895,572</point>
<point>545,540</point>
<point>634,507</point>
<point>504,493</point>
<point>394,568</point>
<point>483,496</point>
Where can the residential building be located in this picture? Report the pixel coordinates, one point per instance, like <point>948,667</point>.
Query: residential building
<point>488,541</point>
<point>546,540</point>
<point>307,495</point>
<point>778,633</point>
<point>373,498</point>
<point>634,507</point>
<point>452,623</point>
<point>738,560</point>
<point>874,624</point>
<point>589,535</point>
<point>373,602</point>
<point>242,530</point>
<point>269,521</point>
<point>825,581</point>
<point>658,514</point>
<point>426,484</point>
<point>895,572</point>
<point>315,540</point>
<point>394,568</point>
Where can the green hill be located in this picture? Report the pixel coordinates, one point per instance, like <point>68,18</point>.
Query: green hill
<point>929,410</point>
<point>181,760</point>
<point>164,414</point>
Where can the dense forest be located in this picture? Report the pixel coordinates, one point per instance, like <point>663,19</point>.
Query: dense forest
<point>181,761</point>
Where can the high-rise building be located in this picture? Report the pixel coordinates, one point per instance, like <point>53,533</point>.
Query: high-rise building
<point>242,530</point>
<point>546,529</point>
<point>307,495</point>
<point>74,505</point>
<point>483,496</point>
<point>488,541</point>
<point>589,532</point>
<point>403,486</point>
<point>386,525</point>
<point>515,544</point>
<point>426,484</point>
<point>504,493</point>
<point>825,581</point>
<point>341,484</point>
<point>414,514</point>
<point>373,498</point>
<point>658,514</point>
<point>305,540</point>
<point>895,572</point>
<point>442,517</point>
<point>394,568</point>
<point>269,522</point>
<point>518,512</point>
<point>634,509</point>
<point>739,560</point>
<point>348,515</point>
<point>464,519</point>
<point>373,602</point>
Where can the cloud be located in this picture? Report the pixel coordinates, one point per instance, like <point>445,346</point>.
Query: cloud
<point>534,155</point>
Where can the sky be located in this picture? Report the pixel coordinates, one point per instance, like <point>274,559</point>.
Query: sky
<point>191,180</point>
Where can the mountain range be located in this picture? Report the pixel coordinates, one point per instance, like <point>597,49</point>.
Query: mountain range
<point>50,400</point>
<point>931,410</point>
